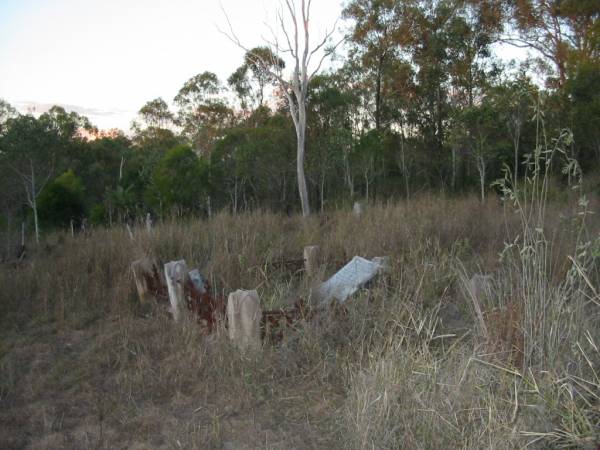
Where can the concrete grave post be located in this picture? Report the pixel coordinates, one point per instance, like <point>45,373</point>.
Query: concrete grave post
<point>311,260</point>
<point>244,315</point>
<point>148,280</point>
<point>176,275</point>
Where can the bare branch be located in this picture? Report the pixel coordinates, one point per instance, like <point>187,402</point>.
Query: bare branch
<point>232,36</point>
<point>287,37</point>
<point>326,54</point>
<point>522,43</point>
<point>324,41</point>
<point>290,6</point>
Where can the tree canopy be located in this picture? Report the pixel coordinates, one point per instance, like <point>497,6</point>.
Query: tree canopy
<point>419,101</point>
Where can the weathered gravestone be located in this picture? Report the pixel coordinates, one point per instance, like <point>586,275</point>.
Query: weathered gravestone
<point>311,260</point>
<point>244,315</point>
<point>149,281</point>
<point>176,275</point>
<point>349,279</point>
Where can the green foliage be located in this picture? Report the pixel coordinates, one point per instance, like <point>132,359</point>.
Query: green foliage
<point>98,215</point>
<point>419,103</point>
<point>584,92</point>
<point>62,200</point>
<point>254,166</point>
<point>6,112</point>
<point>179,181</point>
<point>156,114</point>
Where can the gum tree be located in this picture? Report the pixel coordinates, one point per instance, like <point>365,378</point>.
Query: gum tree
<point>293,38</point>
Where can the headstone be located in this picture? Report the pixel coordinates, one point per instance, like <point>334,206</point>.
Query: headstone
<point>357,209</point>
<point>148,280</point>
<point>148,223</point>
<point>197,280</point>
<point>311,260</point>
<point>244,315</point>
<point>176,275</point>
<point>349,279</point>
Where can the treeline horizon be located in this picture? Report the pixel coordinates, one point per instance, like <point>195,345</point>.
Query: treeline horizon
<point>420,103</point>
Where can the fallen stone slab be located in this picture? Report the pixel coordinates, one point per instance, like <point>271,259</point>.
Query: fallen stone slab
<point>349,279</point>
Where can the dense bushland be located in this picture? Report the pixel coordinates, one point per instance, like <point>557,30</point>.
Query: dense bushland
<point>419,102</point>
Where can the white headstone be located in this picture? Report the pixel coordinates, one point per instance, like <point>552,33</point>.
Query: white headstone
<point>244,315</point>
<point>349,279</point>
<point>176,275</point>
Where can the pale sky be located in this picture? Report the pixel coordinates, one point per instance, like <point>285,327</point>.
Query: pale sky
<point>106,58</point>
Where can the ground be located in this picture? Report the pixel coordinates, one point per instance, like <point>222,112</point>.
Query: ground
<point>404,365</point>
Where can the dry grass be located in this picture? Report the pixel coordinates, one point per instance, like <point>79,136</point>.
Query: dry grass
<point>405,366</point>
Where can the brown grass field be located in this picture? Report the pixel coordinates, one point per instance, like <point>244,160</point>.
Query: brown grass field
<point>406,365</point>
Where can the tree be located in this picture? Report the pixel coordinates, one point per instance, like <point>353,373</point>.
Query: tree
<point>29,149</point>
<point>202,114</point>
<point>156,114</point>
<point>485,141</point>
<point>179,179</point>
<point>514,104</point>
<point>330,133</point>
<point>6,112</point>
<point>583,88</point>
<point>62,200</point>
<point>561,31</point>
<point>65,124</point>
<point>374,43</point>
<point>253,88</point>
<point>297,44</point>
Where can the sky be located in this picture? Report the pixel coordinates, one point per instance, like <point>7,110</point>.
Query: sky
<point>106,58</point>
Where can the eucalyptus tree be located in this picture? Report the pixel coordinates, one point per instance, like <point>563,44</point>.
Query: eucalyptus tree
<point>563,33</point>
<point>250,80</point>
<point>202,114</point>
<point>293,39</point>
<point>156,114</point>
<point>6,112</point>
<point>29,149</point>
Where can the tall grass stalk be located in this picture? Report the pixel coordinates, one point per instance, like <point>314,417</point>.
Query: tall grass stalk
<point>552,302</point>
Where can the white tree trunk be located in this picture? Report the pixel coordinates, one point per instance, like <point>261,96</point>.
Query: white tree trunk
<point>297,45</point>
<point>35,218</point>
<point>481,169</point>
<point>301,135</point>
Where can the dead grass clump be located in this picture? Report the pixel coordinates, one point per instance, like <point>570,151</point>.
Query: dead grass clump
<point>505,334</point>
